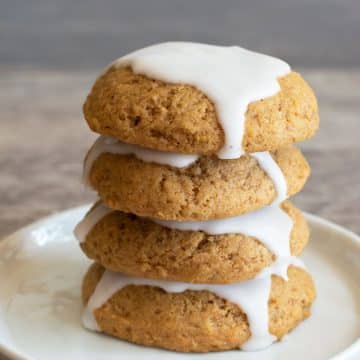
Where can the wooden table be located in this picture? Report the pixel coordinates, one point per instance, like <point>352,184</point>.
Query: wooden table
<point>43,139</point>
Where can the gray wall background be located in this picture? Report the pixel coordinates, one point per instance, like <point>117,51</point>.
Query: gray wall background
<point>75,34</point>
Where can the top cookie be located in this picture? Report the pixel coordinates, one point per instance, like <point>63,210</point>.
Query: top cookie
<point>180,118</point>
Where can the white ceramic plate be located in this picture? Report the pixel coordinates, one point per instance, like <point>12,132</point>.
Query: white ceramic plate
<point>41,267</point>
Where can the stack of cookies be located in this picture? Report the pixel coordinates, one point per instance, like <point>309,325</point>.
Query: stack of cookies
<point>193,239</point>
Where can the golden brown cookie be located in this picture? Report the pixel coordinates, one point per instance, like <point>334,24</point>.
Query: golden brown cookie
<point>208,189</point>
<point>180,118</point>
<point>138,246</point>
<point>196,321</point>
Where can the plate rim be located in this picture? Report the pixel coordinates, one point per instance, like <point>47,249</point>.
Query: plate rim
<point>14,354</point>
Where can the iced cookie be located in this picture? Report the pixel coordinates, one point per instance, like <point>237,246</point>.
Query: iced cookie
<point>210,101</point>
<point>200,252</point>
<point>207,188</point>
<point>192,318</point>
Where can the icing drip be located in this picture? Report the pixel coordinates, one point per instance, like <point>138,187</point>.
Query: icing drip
<point>98,212</point>
<point>270,225</point>
<point>110,145</point>
<point>269,165</point>
<point>232,77</point>
<point>279,267</point>
<point>251,296</point>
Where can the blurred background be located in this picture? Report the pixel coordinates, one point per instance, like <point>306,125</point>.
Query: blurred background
<point>51,52</point>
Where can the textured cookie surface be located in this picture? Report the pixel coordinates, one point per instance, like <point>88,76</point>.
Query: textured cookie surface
<point>208,189</point>
<point>180,118</point>
<point>196,321</point>
<point>137,246</point>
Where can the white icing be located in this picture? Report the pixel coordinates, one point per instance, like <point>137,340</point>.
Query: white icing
<point>271,225</point>
<point>279,267</point>
<point>90,220</point>
<point>251,296</point>
<point>232,77</point>
<point>270,166</point>
<point>110,145</point>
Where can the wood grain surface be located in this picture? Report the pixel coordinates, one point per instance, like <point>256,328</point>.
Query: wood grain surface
<point>43,140</point>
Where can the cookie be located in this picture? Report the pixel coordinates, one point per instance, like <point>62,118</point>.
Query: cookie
<point>196,321</point>
<point>140,247</point>
<point>208,189</point>
<point>180,118</point>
